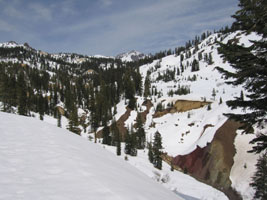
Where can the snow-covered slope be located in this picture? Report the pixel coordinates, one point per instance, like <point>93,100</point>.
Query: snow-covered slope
<point>41,161</point>
<point>131,56</point>
<point>10,44</point>
<point>180,183</point>
<point>182,132</point>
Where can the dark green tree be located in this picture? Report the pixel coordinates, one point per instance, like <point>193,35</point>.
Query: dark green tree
<point>140,133</point>
<point>195,65</point>
<point>74,122</point>
<point>259,180</point>
<point>22,95</point>
<point>59,120</point>
<point>150,153</point>
<point>106,135</point>
<point>157,146</point>
<point>147,86</point>
<point>118,147</point>
<point>130,143</point>
<point>250,64</point>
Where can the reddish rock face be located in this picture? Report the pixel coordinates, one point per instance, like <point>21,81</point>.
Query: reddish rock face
<point>212,164</point>
<point>192,162</point>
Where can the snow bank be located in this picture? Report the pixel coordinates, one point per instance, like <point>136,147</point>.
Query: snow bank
<point>41,161</point>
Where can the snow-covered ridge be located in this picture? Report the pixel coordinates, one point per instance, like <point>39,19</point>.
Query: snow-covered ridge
<point>131,56</point>
<point>12,44</point>
<point>101,56</point>
<point>41,161</point>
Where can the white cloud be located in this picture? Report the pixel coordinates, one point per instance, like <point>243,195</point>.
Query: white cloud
<point>41,12</point>
<point>106,3</point>
<point>4,26</point>
<point>148,25</point>
<point>157,25</point>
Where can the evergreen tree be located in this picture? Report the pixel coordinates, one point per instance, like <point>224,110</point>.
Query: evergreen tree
<point>157,146</point>
<point>106,135</point>
<point>250,64</point>
<point>127,147</point>
<point>115,134</point>
<point>59,120</point>
<point>209,107</point>
<point>41,106</point>
<point>118,147</point>
<point>130,143</point>
<point>210,59</point>
<point>22,95</point>
<point>140,133</point>
<point>195,65</point>
<point>259,180</point>
<point>5,92</point>
<point>150,153</point>
<point>213,93</point>
<point>73,122</point>
<point>147,86</point>
<point>220,100</point>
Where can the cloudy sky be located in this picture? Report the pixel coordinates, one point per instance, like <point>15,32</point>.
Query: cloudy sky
<point>110,27</point>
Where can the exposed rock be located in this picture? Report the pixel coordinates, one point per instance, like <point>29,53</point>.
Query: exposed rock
<point>213,163</point>
<point>182,106</point>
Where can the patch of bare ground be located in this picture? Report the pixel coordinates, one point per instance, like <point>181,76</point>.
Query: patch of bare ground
<point>148,104</point>
<point>125,116</point>
<point>120,124</point>
<point>182,106</point>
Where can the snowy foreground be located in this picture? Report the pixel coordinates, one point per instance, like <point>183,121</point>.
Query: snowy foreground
<point>41,161</point>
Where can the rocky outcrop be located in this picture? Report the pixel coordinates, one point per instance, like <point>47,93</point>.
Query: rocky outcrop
<point>182,106</point>
<point>212,164</point>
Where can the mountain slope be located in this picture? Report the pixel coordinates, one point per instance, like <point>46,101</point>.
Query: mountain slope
<point>41,161</point>
<point>130,56</point>
<point>187,95</point>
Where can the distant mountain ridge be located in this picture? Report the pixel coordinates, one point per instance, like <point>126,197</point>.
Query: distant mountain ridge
<point>131,56</point>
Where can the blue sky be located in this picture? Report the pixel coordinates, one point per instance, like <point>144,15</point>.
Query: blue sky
<point>110,27</point>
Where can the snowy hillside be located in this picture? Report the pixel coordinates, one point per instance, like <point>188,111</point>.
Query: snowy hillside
<point>131,56</point>
<point>41,161</point>
<point>187,98</point>
<point>10,44</point>
<point>182,132</point>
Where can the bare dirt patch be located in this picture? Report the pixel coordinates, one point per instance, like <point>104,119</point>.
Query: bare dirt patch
<point>120,124</point>
<point>182,106</point>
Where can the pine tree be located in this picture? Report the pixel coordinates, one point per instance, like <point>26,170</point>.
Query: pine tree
<point>213,93</point>
<point>22,95</point>
<point>259,180</point>
<point>59,120</point>
<point>250,64</point>
<point>220,102</point>
<point>140,133</point>
<point>130,143</point>
<point>150,153</point>
<point>118,150</point>
<point>147,86</point>
<point>157,146</point>
<point>127,147</point>
<point>73,122</point>
<point>195,65</point>
<point>106,135</point>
